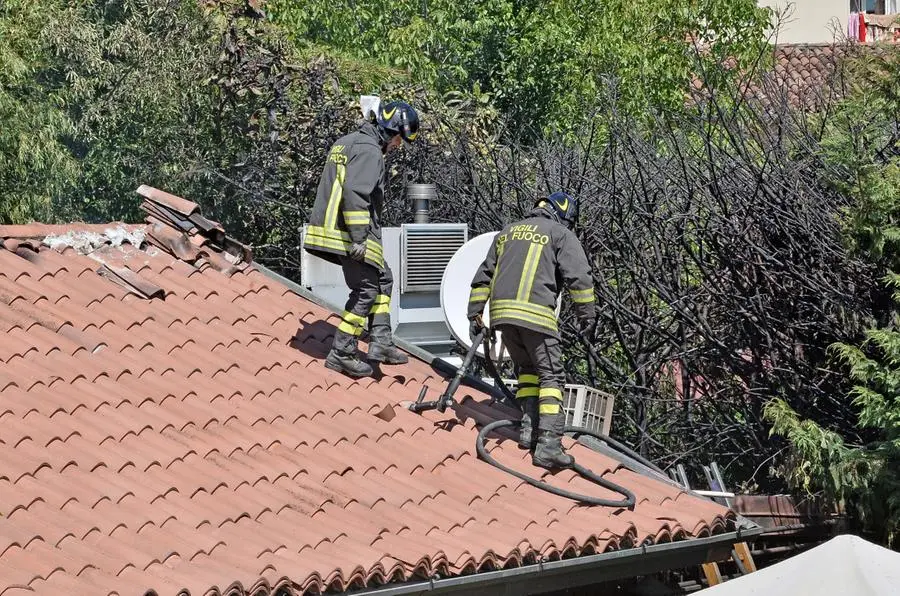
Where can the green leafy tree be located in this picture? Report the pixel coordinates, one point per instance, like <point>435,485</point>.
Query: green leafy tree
<point>36,164</point>
<point>865,479</point>
<point>861,153</point>
<point>543,63</point>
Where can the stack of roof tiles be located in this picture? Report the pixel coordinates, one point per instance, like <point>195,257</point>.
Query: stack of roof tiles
<point>167,426</point>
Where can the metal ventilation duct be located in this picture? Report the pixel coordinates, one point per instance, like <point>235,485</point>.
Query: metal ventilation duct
<point>421,196</point>
<point>427,248</point>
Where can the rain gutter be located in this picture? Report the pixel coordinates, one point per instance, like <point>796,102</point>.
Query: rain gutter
<point>579,571</point>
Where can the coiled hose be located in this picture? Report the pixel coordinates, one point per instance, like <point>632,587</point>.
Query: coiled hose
<point>629,499</point>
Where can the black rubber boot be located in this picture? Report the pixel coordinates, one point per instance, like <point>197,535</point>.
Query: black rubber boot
<point>387,354</point>
<point>529,421</point>
<point>350,365</point>
<point>549,452</point>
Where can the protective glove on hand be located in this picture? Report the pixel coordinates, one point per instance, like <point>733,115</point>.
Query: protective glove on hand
<point>475,327</point>
<point>588,328</point>
<point>357,251</point>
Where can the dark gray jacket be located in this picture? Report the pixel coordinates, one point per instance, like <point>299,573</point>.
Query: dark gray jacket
<point>525,270</point>
<point>349,199</point>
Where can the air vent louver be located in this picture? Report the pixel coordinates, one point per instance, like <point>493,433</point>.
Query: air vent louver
<point>427,248</point>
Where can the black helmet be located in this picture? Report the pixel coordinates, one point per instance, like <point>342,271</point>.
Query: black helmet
<point>398,117</point>
<point>562,206</point>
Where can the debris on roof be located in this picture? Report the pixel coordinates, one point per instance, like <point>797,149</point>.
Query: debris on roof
<point>169,428</point>
<point>85,241</point>
<point>177,226</point>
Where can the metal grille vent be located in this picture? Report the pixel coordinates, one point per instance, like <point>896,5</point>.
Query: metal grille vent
<point>427,248</point>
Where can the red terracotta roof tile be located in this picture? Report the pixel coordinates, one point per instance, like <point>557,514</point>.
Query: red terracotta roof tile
<point>194,441</point>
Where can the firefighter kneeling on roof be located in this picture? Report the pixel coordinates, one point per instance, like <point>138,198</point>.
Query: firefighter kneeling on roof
<point>345,228</point>
<point>521,276</point>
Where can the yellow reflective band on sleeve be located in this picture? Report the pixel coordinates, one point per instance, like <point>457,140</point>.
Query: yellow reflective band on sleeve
<point>479,294</point>
<point>534,379</point>
<point>334,200</point>
<point>381,309</point>
<point>548,409</point>
<point>527,392</point>
<point>356,218</point>
<point>529,270</point>
<point>582,296</point>
<point>551,392</point>
<point>382,299</point>
<point>350,328</point>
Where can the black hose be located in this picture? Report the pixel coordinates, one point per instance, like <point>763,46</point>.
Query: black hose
<point>492,369</point>
<point>627,502</point>
<point>495,374</point>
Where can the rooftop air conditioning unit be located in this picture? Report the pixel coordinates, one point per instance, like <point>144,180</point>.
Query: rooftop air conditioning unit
<point>417,254</point>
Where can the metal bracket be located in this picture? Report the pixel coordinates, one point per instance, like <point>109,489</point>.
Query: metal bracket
<point>440,404</point>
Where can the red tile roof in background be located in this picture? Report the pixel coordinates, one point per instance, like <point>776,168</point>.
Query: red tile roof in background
<point>168,425</point>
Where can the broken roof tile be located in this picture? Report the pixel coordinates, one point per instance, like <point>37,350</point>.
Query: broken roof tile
<point>193,443</point>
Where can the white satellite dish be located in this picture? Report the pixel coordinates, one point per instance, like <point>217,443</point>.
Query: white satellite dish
<point>456,285</point>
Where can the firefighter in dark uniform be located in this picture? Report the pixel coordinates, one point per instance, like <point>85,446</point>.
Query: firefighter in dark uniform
<point>525,270</point>
<point>345,228</point>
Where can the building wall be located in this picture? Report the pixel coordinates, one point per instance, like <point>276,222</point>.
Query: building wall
<point>811,21</point>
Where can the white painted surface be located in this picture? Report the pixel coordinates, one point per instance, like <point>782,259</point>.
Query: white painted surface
<point>456,286</point>
<point>811,21</point>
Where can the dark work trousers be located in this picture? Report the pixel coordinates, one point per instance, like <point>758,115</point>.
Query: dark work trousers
<point>538,360</point>
<point>369,301</point>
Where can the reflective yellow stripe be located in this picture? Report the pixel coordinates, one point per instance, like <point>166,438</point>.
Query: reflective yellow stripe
<point>334,200</point>
<point>339,240</point>
<point>326,243</point>
<point>551,392</point>
<point>535,309</point>
<point>529,379</point>
<point>527,392</point>
<point>374,246</point>
<point>497,314</point>
<point>340,236</point>
<point>524,311</point>
<point>353,318</point>
<point>333,234</point>
<point>479,294</point>
<point>529,270</point>
<point>500,249</point>
<point>582,296</point>
<point>382,305</point>
<point>356,218</point>
<point>548,409</point>
<point>349,328</point>
<point>375,257</point>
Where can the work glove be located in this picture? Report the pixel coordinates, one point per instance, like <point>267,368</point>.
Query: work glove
<point>588,328</point>
<point>357,251</point>
<point>475,327</point>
